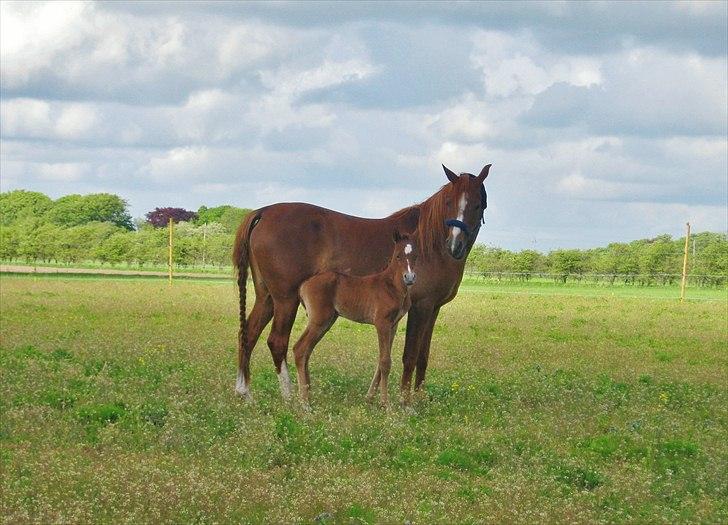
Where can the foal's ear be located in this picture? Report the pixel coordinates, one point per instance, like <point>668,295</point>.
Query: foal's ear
<point>484,173</point>
<point>451,175</point>
<point>396,236</point>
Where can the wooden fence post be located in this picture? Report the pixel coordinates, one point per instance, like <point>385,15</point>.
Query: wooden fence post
<point>170,251</point>
<point>685,264</point>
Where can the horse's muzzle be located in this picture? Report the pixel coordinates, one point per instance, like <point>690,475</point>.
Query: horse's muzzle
<point>457,247</point>
<point>409,278</point>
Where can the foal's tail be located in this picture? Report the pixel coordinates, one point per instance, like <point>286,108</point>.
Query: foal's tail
<point>241,261</point>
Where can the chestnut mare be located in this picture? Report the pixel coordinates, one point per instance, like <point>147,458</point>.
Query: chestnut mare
<point>285,244</point>
<point>380,299</point>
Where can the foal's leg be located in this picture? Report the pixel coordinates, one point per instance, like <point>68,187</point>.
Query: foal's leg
<point>378,374</point>
<point>259,317</point>
<point>374,384</point>
<point>303,349</point>
<point>284,313</point>
<point>385,332</point>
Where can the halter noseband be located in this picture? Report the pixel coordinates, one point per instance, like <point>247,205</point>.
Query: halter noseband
<point>458,224</point>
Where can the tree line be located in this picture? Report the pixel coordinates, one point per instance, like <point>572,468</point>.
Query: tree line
<point>645,261</point>
<point>98,228</point>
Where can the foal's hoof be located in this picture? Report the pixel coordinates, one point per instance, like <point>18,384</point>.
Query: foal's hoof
<point>408,410</point>
<point>245,394</point>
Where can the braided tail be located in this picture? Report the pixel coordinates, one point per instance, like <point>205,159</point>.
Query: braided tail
<point>241,261</point>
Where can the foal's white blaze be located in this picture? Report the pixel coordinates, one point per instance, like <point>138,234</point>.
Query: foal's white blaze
<point>285,380</point>
<point>461,214</point>
<point>408,249</point>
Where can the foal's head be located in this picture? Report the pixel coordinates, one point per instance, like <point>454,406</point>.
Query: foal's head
<point>404,258</point>
<point>465,203</point>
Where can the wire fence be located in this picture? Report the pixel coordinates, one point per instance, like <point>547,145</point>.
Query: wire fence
<point>632,279</point>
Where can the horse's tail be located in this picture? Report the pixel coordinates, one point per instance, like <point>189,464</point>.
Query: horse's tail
<point>241,260</point>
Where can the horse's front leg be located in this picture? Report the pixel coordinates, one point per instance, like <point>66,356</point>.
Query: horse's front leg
<point>374,384</point>
<point>419,324</point>
<point>423,355</point>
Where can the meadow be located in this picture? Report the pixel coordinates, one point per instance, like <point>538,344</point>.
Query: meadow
<point>543,404</point>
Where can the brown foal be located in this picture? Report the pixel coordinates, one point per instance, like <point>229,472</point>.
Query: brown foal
<point>380,299</point>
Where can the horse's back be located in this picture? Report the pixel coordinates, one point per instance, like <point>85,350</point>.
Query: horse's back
<point>290,242</point>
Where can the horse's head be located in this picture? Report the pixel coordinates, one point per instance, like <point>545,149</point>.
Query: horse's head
<point>404,258</point>
<point>465,202</point>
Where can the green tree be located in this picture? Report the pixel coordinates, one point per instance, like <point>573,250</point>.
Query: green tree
<point>659,259</point>
<point>37,240</point>
<point>74,210</point>
<point>232,218</point>
<point>21,204</point>
<point>711,258</point>
<point>527,262</point>
<point>118,247</point>
<point>9,243</point>
<point>566,262</point>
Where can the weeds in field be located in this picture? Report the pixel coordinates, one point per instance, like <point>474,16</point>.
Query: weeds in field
<point>117,406</point>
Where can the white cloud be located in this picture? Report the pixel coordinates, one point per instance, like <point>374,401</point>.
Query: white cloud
<point>62,171</point>
<point>176,105</point>
<point>33,35</point>
<point>516,64</point>
<point>22,117</point>
<point>179,165</point>
<point>75,121</point>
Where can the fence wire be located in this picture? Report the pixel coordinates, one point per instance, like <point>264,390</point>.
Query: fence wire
<point>636,279</point>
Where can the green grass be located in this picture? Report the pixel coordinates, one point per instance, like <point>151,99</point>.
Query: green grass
<point>541,406</point>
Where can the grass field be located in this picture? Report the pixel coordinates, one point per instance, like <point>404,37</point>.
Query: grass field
<point>541,406</point>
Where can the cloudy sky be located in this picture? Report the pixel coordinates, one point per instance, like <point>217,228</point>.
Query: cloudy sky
<point>603,121</point>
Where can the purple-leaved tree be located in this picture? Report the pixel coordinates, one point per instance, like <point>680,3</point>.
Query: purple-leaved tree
<point>159,217</point>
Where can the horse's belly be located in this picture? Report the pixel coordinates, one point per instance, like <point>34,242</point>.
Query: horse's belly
<point>358,313</point>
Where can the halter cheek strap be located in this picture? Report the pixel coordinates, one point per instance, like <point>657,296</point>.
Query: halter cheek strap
<point>458,224</point>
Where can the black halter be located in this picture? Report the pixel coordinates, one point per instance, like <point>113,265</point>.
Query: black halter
<point>458,224</point>
<point>455,223</point>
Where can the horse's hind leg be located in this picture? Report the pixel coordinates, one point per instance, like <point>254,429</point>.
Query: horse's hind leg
<point>284,313</point>
<point>259,317</point>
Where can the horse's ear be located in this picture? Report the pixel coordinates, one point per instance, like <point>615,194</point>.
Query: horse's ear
<point>451,175</point>
<point>484,173</point>
<point>396,236</point>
